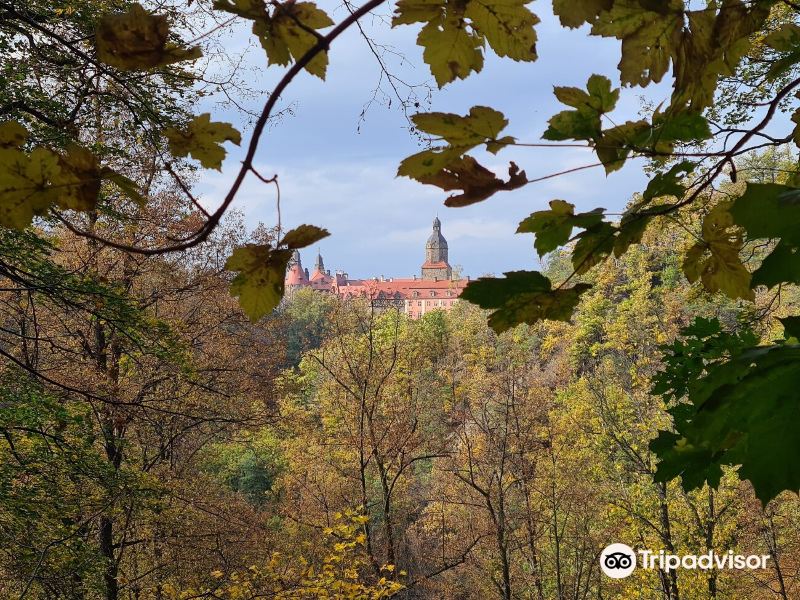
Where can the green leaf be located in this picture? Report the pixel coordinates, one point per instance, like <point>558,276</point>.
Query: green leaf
<point>482,124</point>
<point>769,210</point>
<point>303,236</point>
<point>602,98</point>
<point>680,127</point>
<point>786,40</point>
<point>584,122</point>
<point>507,25</point>
<point>701,44</point>
<point>137,40</point>
<point>260,282</point>
<point>744,411</point>
<point>614,145</point>
<point>203,140</point>
<point>428,163</point>
<point>791,327</point>
<point>781,266</point>
<point>678,457</point>
<point>593,246</point>
<point>649,37</point>
<point>455,33</point>
<point>287,34</point>
<point>522,297</point>
<point>573,125</point>
<point>631,231</point>
<point>553,227</point>
<point>574,13</point>
<point>669,183</point>
<point>715,261</point>
<point>407,12</point>
<point>125,185</point>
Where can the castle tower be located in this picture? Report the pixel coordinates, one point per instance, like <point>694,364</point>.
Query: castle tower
<point>296,276</point>
<point>436,265</point>
<point>319,269</point>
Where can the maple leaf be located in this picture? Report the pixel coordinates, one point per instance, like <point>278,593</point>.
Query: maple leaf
<point>203,140</point>
<point>592,246</point>
<point>26,185</point>
<point>649,37</point>
<point>574,13</point>
<point>553,227</point>
<point>743,412</point>
<point>522,297</point>
<point>482,125</point>
<point>78,178</point>
<point>454,33</point>
<point>137,40</point>
<point>287,33</point>
<point>715,261</point>
<point>260,282</point>
<point>12,135</point>
<point>451,49</point>
<point>125,185</point>
<point>303,236</point>
<point>507,25</point>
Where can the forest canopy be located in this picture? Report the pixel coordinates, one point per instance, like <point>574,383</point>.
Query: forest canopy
<point>174,426</point>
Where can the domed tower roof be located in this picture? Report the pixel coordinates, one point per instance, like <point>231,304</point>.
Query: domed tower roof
<point>436,240</point>
<point>436,265</point>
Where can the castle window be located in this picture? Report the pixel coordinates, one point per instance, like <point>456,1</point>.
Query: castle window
<point>433,294</point>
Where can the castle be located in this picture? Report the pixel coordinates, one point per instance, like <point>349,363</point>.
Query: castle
<point>435,289</point>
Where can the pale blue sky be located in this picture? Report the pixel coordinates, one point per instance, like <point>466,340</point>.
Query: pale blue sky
<point>338,177</point>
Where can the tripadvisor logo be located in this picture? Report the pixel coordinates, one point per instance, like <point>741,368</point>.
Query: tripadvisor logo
<point>619,560</point>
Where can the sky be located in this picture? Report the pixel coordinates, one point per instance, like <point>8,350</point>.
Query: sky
<point>339,172</point>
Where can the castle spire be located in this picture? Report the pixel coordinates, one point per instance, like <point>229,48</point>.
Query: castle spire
<point>436,265</point>
<point>319,265</point>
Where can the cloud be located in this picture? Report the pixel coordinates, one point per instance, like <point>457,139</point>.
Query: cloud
<point>338,176</point>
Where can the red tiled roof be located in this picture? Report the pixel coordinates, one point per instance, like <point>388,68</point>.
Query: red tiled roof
<point>318,275</point>
<point>296,276</point>
<point>403,286</point>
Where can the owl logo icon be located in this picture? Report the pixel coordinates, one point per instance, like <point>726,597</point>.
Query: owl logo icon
<point>617,561</point>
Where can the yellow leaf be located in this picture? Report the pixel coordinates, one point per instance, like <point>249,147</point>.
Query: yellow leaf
<point>26,185</point>
<point>450,49</point>
<point>286,34</point>
<point>78,179</point>
<point>507,26</point>
<point>715,261</point>
<point>12,135</point>
<point>203,140</point>
<point>137,40</point>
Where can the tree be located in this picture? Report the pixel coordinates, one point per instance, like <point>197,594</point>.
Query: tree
<point>93,159</point>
